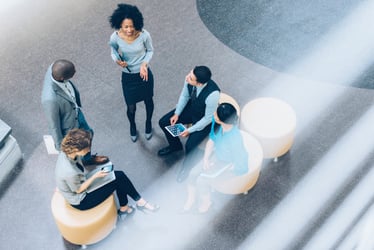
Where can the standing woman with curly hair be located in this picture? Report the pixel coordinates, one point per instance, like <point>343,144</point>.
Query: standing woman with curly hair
<point>132,49</point>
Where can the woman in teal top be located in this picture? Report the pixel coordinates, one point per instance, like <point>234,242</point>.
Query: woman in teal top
<point>132,49</point>
<point>228,148</point>
<point>230,157</point>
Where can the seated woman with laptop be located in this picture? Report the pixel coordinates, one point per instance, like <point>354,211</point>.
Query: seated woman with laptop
<point>225,157</point>
<point>86,190</point>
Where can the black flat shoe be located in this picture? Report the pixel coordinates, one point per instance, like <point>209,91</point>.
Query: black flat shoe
<point>126,214</point>
<point>167,150</point>
<point>144,209</point>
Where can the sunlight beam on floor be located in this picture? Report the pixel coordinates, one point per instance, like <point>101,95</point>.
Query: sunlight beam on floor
<point>291,216</point>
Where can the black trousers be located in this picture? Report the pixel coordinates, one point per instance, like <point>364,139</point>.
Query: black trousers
<point>193,140</point>
<point>122,185</point>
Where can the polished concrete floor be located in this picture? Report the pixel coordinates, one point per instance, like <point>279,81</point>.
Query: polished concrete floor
<point>318,196</point>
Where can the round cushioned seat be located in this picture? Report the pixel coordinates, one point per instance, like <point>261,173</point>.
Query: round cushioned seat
<point>87,226</point>
<point>243,183</point>
<point>273,122</point>
<point>225,98</point>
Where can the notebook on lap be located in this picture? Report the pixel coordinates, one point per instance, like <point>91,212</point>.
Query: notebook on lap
<point>99,182</point>
<point>215,173</point>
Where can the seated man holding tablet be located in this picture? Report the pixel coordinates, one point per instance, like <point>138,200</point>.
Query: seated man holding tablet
<point>78,187</point>
<point>196,105</point>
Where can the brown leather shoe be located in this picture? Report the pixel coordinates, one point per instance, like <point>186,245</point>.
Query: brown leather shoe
<point>168,150</point>
<point>96,160</point>
<point>99,159</point>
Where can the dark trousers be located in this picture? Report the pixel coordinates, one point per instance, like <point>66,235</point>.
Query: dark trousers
<point>122,185</point>
<point>193,141</point>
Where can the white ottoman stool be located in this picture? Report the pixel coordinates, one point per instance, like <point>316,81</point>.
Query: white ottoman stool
<point>273,122</point>
<point>225,98</point>
<point>243,183</point>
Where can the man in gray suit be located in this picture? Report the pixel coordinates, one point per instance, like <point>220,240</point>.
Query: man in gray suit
<point>62,106</point>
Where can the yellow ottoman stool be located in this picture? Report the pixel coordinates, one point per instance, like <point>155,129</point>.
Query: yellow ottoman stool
<point>273,122</point>
<point>243,183</point>
<point>87,226</point>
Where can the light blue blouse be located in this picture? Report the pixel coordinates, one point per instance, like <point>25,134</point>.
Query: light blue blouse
<point>135,53</point>
<point>229,148</point>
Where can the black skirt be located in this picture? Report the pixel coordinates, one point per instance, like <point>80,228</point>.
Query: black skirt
<point>135,89</point>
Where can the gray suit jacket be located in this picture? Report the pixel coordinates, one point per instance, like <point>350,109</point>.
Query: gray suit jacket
<point>59,109</point>
<point>69,178</point>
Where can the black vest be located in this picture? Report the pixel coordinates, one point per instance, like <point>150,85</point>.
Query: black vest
<point>198,105</point>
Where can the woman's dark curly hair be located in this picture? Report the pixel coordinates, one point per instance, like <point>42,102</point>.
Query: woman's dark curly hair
<point>126,11</point>
<point>76,140</point>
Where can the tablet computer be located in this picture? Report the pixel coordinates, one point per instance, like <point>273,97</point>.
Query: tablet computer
<point>176,129</point>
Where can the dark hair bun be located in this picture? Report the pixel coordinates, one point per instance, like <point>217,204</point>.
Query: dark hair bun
<point>227,113</point>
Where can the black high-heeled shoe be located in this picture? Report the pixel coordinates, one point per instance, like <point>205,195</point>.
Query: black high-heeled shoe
<point>148,130</point>
<point>133,133</point>
<point>144,209</point>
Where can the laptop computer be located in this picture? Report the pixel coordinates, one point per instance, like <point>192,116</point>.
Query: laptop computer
<point>99,182</point>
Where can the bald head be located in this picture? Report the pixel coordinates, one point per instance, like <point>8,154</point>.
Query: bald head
<point>63,70</point>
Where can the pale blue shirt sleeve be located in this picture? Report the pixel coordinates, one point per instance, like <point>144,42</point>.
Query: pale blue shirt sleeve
<point>183,100</point>
<point>211,104</point>
<point>148,46</point>
<point>114,47</point>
